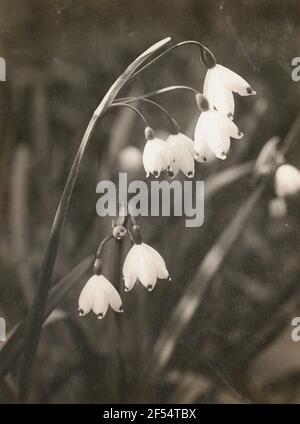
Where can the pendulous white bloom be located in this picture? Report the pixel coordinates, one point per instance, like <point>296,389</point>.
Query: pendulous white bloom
<point>219,85</point>
<point>156,155</point>
<point>213,131</point>
<point>98,294</point>
<point>145,264</point>
<point>287,180</point>
<point>182,152</point>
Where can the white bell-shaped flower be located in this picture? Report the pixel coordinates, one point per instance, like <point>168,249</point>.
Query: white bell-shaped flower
<point>156,155</point>
<point>182,152</point>
<point>145,264</point>
<point>287,180</point>
<point>98,294</point>
<point>213,131</point>
<point>220,83</point>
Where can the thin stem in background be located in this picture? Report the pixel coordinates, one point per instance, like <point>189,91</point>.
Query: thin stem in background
<point>36,314</point>
<point>132,108</point>
<point>194,294</point>
<point>134,99</point>
<point>168,51</point>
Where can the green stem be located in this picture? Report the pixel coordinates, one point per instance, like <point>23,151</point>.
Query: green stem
<point>36,313</point>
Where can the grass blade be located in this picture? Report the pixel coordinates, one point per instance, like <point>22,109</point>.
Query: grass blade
<point>194,294</point>
<point>13,347</point>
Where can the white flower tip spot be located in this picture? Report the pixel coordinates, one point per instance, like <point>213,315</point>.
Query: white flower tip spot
<point>240,134</point>
<point>100,316</point>
<point>156,174</point>
<point>150,287</point>
<point>230,116</point>
<point>171,173</point>
<point>126,289</point>
<point>81,312</point>
<point>121,310</point>
<point>250,91</point>
<point>223,156</point>
<point>190,174</point>
<point>169,279</point>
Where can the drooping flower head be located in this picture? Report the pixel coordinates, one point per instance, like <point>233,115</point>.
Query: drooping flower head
<point>182,152</point>
<point>97,295</point>
<point>143,263</point>
<point>287,180</point>
<point>219,85</point>
<point>156,155</point>
<point>213,131</point>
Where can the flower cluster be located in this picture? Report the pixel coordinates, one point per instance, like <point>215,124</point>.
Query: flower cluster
<point>286,184</point>
<point>213,131</point>
<point>142,263</point>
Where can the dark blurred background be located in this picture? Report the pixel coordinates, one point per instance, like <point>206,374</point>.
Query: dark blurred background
<point>62,56</point>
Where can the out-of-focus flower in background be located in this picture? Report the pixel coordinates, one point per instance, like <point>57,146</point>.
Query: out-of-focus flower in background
<point>287,180</point>
<point>213,130</point>
<point>130,159</point>
<point>219,85</point>
<point>182,152</point>
<point>97,295</point>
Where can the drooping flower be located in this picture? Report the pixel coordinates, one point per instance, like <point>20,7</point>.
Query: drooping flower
<point>182,152</point>
<point>287,180</point>
<point>98,294</point>
<point>219,85</point>
<point>213,131</point>
<point>143,263</point>
<point>156,155</point>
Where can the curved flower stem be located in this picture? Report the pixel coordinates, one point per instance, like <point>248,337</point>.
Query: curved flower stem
<point>164,90</point>
<point>132,108</point>
<point>204,50</point>
<point>36,313</point>
<point>101,245</point>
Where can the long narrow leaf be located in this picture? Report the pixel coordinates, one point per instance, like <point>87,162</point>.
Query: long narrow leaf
<point>13,347</point>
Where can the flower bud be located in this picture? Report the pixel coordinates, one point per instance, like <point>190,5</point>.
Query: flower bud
<point>98,266</point>
<point>173,127</point>
<point>207,58</point>
<point>202,102</point>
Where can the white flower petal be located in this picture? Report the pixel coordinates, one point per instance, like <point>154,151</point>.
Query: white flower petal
<point>287,180</point>
<point>146,267</point>
<point>217,93</point>
<point>208,130</point>
<point>182,148</point>
<point>87,296</point>
<point>112,295</point>
<point>228,126</point>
